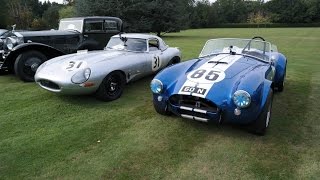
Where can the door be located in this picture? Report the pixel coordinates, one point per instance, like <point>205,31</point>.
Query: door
<point>156,57</point>
<point>94,35</point>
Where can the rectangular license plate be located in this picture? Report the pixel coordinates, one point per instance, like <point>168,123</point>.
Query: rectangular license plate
<point>195,90</point>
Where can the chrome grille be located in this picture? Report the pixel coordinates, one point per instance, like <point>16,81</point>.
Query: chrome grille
<point>193,102</point>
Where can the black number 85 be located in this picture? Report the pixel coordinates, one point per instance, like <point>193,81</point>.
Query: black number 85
<point>210,76</point>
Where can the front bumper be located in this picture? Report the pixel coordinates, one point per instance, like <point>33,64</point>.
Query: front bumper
<point>201,109</point>
<point>65,86</point>
<point>195,113</point>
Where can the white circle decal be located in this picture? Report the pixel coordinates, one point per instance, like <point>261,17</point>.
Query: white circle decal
<point>206,76</point>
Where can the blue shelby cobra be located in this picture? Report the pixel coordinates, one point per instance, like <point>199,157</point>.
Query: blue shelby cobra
<point>233,80</point>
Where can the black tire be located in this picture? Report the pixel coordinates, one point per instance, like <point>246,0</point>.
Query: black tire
<point>27,64</point>
<point>160,110</point>
<point>259,127</point>
<point>280,86</point>
<point>174,60</point>
<point>111,87</point>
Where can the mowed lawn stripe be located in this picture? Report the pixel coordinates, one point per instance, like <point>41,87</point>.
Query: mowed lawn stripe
<point>77,137</point>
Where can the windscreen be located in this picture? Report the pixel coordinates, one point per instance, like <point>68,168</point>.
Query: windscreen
<point>75,25</point>
<point>129,44</point>
<point>255,48</point>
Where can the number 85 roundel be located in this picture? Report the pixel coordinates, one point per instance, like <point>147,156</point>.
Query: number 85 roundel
<point>206,76</point>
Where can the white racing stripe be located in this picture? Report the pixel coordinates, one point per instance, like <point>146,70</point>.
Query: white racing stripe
<point>200,81</point>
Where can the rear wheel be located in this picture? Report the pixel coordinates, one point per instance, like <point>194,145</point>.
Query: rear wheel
<point>27,64</point>
<point>111,87</point>
<point>280,86</point>
<point>260,126</point>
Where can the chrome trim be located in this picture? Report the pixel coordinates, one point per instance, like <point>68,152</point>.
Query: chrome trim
<point>194,118</point>
<point>201,119</point>
<point>200,111</point>
<point>186,108</point>
<point>187,116</point>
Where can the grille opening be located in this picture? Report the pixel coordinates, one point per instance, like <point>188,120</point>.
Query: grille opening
<point>193,102</point>
<point>49,84</point>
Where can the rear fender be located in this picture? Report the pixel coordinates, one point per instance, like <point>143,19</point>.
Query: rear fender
<point>280,63</point>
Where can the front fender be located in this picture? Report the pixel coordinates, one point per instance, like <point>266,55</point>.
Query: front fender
<point>170,75</point>
<point>48,51</point>
<point>258,87</point>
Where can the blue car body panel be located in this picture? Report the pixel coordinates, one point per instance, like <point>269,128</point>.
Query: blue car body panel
<point>246,73</point>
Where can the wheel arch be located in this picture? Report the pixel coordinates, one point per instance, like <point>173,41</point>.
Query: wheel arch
<point>121,71</point>
<point>48,51</point>
<point>280,66</point>
<point>176,59</point>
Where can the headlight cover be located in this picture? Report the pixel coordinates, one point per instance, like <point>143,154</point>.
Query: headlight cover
<point>13,41</point>
<point>10,43</point>
<point>156,86</point>
<point>81,76</point>
<point>241,99</point>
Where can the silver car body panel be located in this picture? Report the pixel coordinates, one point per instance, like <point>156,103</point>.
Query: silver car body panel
<point>134,65</point>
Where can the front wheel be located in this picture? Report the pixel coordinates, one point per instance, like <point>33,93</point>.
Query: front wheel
<point>111,87</point>
<point>173,61</point>
<point>161,107</point>
<point>27,64</point>
<point>260,126</point>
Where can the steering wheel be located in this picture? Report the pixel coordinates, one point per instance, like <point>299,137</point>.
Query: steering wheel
<point>258,37</point>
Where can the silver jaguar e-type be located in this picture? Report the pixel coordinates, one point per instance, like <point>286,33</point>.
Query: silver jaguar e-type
<point>127,57</point>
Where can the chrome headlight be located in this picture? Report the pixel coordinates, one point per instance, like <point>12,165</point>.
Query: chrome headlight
<point>10,43</point>
<point>242,99</point>
<point>81,76</point>
<point>156,86</point>
<point>13,41</point>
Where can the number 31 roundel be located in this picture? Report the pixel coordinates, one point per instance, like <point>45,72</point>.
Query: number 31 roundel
<point>206,76</point>
<point>156,63</point>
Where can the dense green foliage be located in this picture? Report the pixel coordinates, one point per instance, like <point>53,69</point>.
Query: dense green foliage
<point>45,136</point>
<point>162,16</point>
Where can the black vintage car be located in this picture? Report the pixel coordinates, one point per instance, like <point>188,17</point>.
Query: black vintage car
<point>25,51</point>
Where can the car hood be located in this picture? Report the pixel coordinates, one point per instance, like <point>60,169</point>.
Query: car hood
<point>90,57</point>
<point>213,77</point>
<point>47,33</point>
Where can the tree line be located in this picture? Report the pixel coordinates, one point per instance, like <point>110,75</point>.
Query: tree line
<point>160,16</point>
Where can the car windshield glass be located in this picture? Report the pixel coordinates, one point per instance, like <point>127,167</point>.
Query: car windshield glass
<point>252,47</point>
<point>131,44</point>
<point>71,25</point>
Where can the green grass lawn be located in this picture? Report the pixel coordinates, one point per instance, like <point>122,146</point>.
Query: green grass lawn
<point>77,137</point>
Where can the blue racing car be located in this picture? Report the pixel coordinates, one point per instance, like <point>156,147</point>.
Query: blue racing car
<point>233,80</point>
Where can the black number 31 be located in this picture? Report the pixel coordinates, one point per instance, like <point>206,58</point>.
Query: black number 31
<point>156,62</point>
